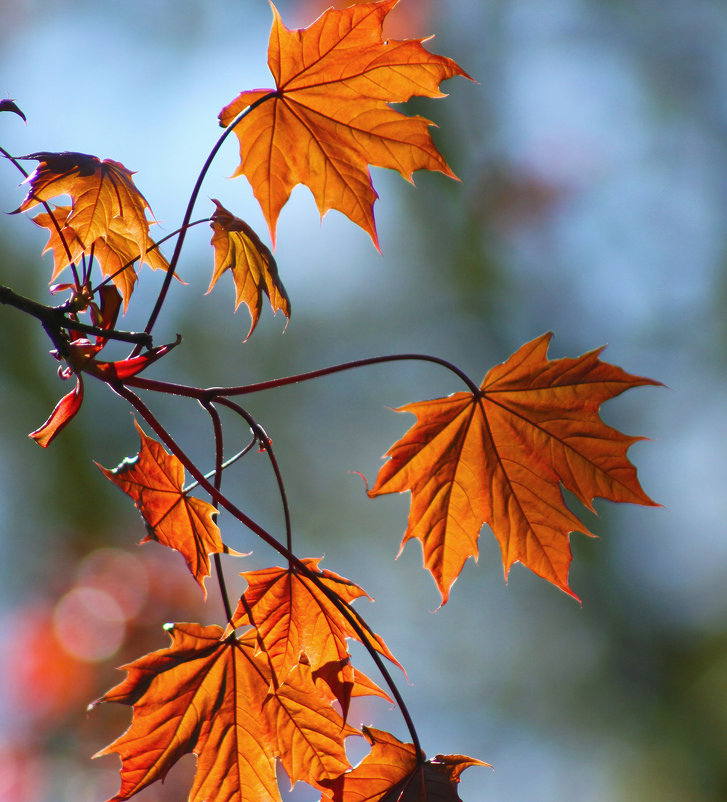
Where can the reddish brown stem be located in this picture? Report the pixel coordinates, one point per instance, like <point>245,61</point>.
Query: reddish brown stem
<point>219,448</point>
<point>216,393</point>
<point>190,208</point>
<point>354,619</point>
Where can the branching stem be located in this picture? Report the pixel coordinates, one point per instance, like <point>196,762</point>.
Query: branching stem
<point>354,619</point>
<point>190,208</point>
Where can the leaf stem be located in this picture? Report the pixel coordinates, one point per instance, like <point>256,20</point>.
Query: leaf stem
<point>190,208</point>
<point>216,393</point>
<point>225,464</point>
<point>266,443</point>
<point>55,318</point>
<point>219,449</point>
<point>354,618</point>
<point>148,250</point>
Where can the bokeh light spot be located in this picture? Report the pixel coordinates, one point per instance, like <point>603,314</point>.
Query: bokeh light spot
<point>89,624</point>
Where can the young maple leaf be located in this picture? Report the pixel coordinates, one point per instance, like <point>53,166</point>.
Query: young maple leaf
<point>106,205</point>
<point>392,772</point>
<point>329,117</point>
<point>216,698</point>
<point>81,358</point>
<point>114,252</point>
<point>499,457</point>
<point>254,270</point>
<point>155,480</point>
<point>293,616</point>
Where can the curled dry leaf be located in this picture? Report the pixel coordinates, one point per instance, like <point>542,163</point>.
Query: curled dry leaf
<point>155,481</point>
<point>329,118</point>
<point>393,772</point>
<point>215,697</point>
<point>239,249</point>
<point>499,458</point>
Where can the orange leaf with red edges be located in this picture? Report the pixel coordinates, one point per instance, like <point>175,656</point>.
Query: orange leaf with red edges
<point>294,616</point>
<point>254,270</point>
<point>392,772</point>
<point>155,481</point>
<point>499,458</point>
<point>329,117</point>
<point>215,698</point>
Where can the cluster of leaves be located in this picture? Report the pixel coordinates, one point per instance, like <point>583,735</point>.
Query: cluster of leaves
<point>276,682</point>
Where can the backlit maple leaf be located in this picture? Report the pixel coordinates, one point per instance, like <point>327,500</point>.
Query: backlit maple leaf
<point>392,772</point>
<point>499,457</point>
<point>115,251</point>
<point>106,205</point>
<point>155,481</point>
<point>329,117</point>
<point>293,616</point>
<point>254,270</point>
<point>214,697</point>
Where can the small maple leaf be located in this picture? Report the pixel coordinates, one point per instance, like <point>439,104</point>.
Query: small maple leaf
<point>499,457</point>
<point>293,616</point>
<point>254,270</point>
<point>155,481</point>
<point>214,697</point>
<point>393,772</point>
<point>328,118</point>
<point>115,251</point>
<point>106,205</point>
<point>81,357</point>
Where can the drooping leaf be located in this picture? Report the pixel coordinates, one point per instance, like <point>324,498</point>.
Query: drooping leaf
<point>254,270</point>
<point>214,697</point>
<point>7,104</point>
<point>105,205</point>
<point>81,358</point>
<point>293,617</point>
<point>115,252</point>
<point>155,481</point>
<point>329,117</point>
<point>392,772</point>
<point>63,413</point>
<point>499,458</point>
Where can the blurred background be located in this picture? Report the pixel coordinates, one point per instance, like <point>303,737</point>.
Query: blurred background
<point>594,186</point>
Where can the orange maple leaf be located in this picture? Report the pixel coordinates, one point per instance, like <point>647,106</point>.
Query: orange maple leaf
<point>254,270</point>
<point>393,772</point>
<point>215,698</point>
<point>115,251</point>
<point>155,481</point>
<point>499,458</point>
<point>293,617</point>
<point>106,205</point>
<point>328,118</point>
